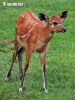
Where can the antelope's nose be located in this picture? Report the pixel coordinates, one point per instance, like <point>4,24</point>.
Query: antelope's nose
<point>63,30</point>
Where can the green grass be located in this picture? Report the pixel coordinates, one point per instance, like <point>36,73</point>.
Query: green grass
<point>60,62</point>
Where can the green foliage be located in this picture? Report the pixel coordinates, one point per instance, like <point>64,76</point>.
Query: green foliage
<point>60,62</point>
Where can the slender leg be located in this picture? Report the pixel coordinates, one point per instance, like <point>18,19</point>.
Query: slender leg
<point>9,72</point>
<point>13,59</point>
<point>25,69</point>
<point>20,52</point>
<point>42,58</point>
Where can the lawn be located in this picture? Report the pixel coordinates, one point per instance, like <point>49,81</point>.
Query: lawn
<point>60,62</point>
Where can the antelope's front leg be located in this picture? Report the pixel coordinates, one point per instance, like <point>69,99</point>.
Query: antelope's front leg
<point>42,58</point>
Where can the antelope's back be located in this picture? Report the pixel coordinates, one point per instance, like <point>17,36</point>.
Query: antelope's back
<point>26,21</point>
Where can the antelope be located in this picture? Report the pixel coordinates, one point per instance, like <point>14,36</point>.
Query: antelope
<point>33,35</point>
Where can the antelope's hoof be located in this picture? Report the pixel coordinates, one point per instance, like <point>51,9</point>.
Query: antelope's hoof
<point>20,89</point>
<point>45,90</point>
<point>6,79</point>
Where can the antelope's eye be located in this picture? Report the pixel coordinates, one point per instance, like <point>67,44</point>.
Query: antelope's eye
<point>55,23</point>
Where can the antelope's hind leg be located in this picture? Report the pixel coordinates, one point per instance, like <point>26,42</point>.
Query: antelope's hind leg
<point>20,52</point>
<point>9,71</point>
<point>16,46</point>
<point>28,54</point>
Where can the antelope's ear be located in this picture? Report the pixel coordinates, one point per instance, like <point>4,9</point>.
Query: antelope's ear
<point>63,15</point>
<point>43,17</point>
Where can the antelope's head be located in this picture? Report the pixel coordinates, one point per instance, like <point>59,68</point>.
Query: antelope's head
<point>55,22</point>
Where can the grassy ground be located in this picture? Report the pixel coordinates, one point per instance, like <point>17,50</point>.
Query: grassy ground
<point>60,62</point>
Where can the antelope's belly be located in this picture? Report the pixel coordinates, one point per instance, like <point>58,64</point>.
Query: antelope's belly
<point>34,46</point>
<point>39,46</point>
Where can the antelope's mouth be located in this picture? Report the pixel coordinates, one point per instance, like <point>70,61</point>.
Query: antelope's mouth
<point>63,30</point>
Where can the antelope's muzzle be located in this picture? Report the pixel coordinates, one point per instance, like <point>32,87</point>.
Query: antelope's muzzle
<point>63,30</point>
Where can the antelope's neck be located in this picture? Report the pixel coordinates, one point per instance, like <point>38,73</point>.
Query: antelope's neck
<point>47,34</point>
